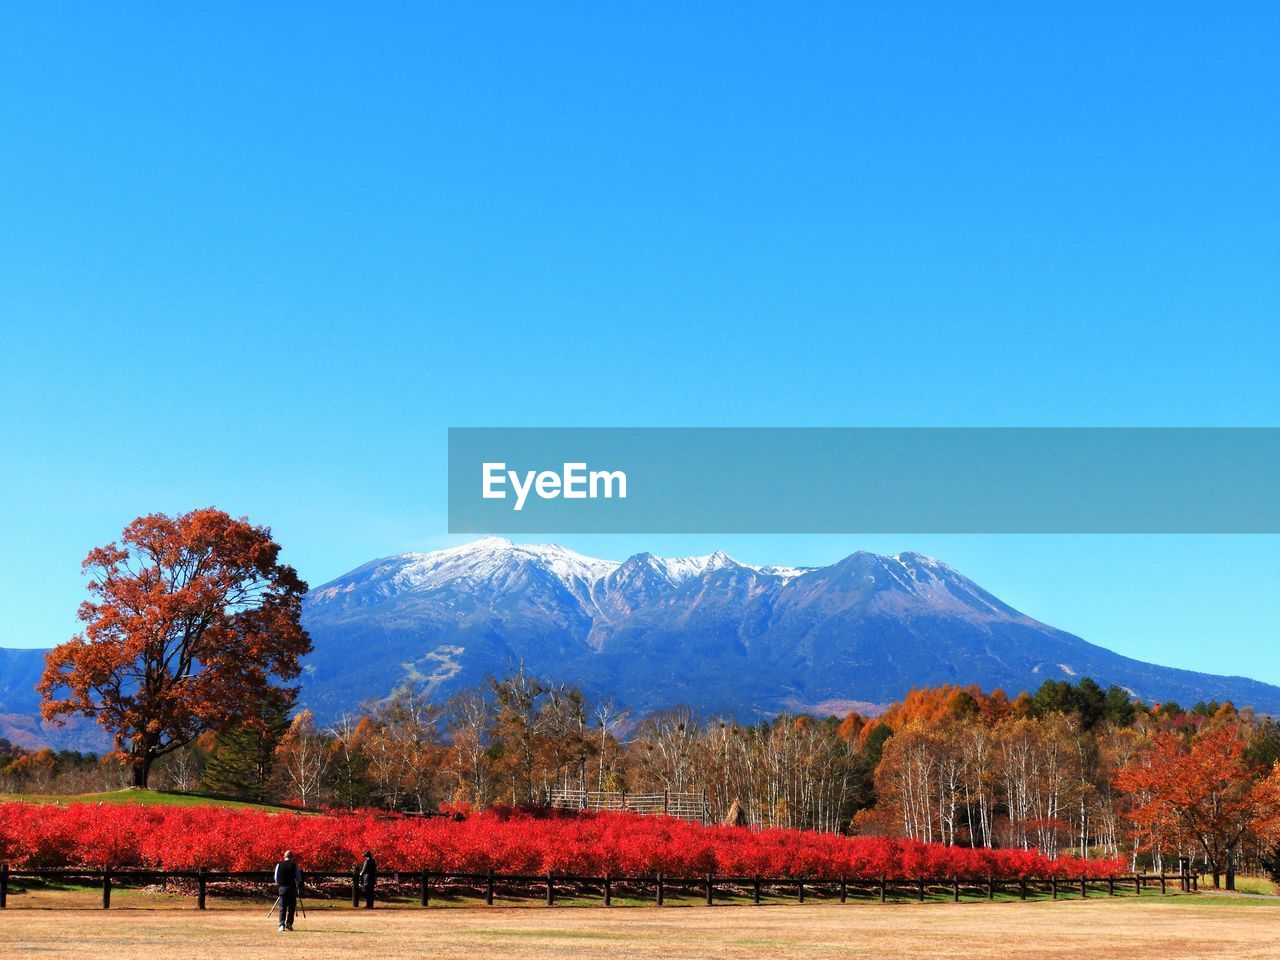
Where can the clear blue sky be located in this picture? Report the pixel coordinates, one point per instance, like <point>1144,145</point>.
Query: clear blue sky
<point>263,257</point>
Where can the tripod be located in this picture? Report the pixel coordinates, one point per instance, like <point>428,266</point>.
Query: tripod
<point>301,907</point>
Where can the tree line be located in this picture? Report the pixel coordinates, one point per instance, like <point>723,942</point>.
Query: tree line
<point>1070,768</point>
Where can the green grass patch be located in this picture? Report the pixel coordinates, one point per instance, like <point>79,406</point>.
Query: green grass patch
<point>164,798</point>
<point>1256,885</point>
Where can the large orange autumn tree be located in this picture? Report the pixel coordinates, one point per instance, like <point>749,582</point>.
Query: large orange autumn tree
<point>193,624</point>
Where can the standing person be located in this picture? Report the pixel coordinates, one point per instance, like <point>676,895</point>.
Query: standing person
<point>288,879</point>
<point>368,878</point>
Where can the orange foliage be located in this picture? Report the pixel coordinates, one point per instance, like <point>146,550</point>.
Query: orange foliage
<point>935,706</point>
<point>193,620</point>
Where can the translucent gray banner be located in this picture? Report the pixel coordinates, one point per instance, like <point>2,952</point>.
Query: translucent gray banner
<point>864,480</point>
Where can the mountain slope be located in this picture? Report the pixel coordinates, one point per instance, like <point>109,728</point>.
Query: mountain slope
<point>707,632</point>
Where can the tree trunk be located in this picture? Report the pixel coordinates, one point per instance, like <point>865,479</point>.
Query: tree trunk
<point>141,770</point>
<point>1217,875</point>
<point>1231,872</point>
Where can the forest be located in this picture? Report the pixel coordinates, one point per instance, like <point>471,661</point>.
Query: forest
<point>1070,769</point>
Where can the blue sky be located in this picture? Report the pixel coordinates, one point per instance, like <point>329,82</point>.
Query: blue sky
<point>264,258</point>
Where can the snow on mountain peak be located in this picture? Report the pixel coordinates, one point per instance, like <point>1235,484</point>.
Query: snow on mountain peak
<point>913,559</point>
<point>785,573</point>
<point>566,564</point>
<point>679,569</point>
<point>481,559</point>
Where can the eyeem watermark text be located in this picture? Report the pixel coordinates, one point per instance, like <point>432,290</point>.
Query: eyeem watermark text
<point>573,482</point>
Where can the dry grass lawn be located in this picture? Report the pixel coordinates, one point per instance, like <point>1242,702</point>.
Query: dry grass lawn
<point>1170,928</point>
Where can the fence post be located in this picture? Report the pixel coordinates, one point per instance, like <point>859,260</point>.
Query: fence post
<point>608,891</point>
<point>488,887</point>
<point>661,891</point>
<point>709,890</point>
<point>106,888</point>
<point>1137,884</point>
<point>551,891</point>
<point>844,889</point>
<point>1022,888</point>
<point>425,891</point>
<point>203,881</point>
<point>355,888</point>
<point>1162,882</point>
<point>1195,883</point>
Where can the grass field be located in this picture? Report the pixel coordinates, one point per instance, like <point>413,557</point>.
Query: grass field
<point>162,798</point>
<point>1168,927</point>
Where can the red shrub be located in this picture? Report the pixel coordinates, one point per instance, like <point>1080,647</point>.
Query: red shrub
<point>505,840</point>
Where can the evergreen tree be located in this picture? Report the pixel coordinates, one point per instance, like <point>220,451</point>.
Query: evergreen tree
<point>241,757</point>
<point>862,789</point>
<point>1119,707</point>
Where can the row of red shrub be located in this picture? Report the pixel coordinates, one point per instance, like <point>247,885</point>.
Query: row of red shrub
<point>181,838</point>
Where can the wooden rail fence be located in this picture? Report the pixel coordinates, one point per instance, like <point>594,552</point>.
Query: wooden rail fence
<point>686,806</point>
<point>708,886</point>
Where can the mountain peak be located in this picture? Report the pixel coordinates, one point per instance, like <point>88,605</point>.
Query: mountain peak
<point>909,558</point>
<point>678,570</point>
<point>486,558</point>
<point>487,544</point>
<point>480,559</point>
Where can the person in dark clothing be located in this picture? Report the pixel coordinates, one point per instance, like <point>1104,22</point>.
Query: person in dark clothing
<point>368,878</point>
<point>288,880</point>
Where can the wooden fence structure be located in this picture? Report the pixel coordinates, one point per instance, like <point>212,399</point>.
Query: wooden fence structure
<point>710,888</point>
<point>686,806</point>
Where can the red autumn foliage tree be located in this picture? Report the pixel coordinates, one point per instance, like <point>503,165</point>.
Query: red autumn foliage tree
<point>1200,792</point>
<point>194,623</point>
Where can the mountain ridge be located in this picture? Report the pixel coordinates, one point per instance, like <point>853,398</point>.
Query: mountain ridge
<point>713,633</point>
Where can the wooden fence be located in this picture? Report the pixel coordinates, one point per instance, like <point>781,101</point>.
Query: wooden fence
<point>686,806</point>
<point>709,888</point>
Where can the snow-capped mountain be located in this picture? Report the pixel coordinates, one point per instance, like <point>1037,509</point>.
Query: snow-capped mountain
<point>708,632</point>
<point>493,559</point>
